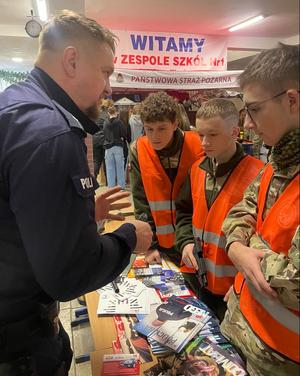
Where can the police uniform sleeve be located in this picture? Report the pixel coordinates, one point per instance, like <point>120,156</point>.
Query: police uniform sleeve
<point>184,214</point>
<point>240,223</point>
<point>282,272</point>
<point>141,205</point>
<point>53,201</point>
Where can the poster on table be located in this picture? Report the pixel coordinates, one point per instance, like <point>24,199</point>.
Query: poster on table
<point>170,51</point>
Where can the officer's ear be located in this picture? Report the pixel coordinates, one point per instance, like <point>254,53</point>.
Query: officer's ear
<point>70,61</point>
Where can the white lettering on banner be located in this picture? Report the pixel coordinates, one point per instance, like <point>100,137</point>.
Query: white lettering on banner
<point>164,51</point>
<point>174,80</point>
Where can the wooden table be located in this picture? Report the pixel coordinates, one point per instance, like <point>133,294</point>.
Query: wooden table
<point>103,332</point>
<point>103,327</point>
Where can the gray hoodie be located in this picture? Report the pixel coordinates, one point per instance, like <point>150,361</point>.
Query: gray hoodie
<point>136,126</point>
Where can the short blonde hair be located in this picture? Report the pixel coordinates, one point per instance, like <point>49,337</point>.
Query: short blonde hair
<point>69,25</point>
<point>218,107</point>
<point>136,109</point>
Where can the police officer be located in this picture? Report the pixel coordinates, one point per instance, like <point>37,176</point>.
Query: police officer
<point>49,245</point>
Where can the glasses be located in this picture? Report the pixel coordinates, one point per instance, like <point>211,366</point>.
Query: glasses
<point>252,109</point>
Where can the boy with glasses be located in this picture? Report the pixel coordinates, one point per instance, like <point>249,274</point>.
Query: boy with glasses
<point>262,231</point>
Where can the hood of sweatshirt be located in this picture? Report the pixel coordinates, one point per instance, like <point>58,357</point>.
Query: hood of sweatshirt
<point>135,121</point>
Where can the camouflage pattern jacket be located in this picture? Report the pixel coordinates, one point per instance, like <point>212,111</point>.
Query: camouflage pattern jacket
<point>240,224</point>
<point>281,272</point>
<point>216,176</point>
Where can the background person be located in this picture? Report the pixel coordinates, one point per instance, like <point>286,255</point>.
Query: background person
<point>136,123</point>
<point>98,139</point>
<point>183,119</point>
<point>114,138</point>
<point>124,117</point>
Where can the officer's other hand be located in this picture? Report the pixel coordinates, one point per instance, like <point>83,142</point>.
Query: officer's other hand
<point>153,256</point>
<point>106,202</point>
<point>188,257</point>
<point>143,236</point>
<point>247,261</point>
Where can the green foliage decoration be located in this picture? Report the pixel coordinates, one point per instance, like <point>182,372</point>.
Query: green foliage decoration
<point>11,76</point>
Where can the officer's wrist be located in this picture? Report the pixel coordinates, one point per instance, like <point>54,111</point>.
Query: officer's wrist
<point>127,233</point>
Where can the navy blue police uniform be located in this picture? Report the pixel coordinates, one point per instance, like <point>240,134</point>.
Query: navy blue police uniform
<point>49,246</point>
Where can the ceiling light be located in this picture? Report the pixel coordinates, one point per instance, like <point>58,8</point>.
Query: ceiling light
<point>17,59</point>
<point>42,10</point>
<point>247,23</point>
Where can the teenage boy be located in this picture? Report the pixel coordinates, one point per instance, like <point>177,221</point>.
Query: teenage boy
<point>262,231</point>
<point>216,183</point>
<point>159,164</point>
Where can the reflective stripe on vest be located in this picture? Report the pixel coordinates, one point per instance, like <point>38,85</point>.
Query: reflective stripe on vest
<point>162,205</point>
<point>277,310</point>
<point>210,237</point>
<point>164,230</point>
<point>271,321</point>
<point>161,193</point>
<point>207,223</point>
<point>220,270</point>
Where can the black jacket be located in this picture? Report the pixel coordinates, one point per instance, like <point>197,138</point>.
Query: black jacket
<point>114,133</point>
<point>49,245</point>
<point>98,138</point>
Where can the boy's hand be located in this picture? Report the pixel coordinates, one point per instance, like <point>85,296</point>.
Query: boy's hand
<point>153,256</point>
<point>188,257</point>
<point>247,261</point>
<point>226,297</point>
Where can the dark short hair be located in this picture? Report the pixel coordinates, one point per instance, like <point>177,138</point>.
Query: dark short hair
<point>69,25</point>
<point>159,107</point>
<point>275,69</point>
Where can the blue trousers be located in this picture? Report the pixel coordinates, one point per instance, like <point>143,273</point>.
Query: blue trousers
<point>114,162</point>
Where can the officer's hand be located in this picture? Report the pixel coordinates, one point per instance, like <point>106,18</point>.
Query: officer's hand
<point>153,256</point>
<point>247,261</point>
<point>188,257</point>
<point>105,202</point>
<point>143,236</point>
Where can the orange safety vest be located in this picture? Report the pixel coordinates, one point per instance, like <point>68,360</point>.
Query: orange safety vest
<point>207,224</point>
<point>161,193</point>
<point>271,321</point>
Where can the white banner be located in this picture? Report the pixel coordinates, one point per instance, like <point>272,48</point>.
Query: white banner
<point>139,79</point>
<point>170,51</point>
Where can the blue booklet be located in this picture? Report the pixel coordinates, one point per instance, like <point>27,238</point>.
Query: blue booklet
<point>173,323</point>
